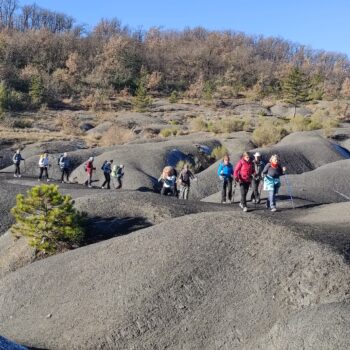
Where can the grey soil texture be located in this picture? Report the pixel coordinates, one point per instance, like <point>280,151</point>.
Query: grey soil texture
<point>162,273</point>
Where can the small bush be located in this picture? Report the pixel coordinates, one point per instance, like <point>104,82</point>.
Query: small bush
<point>174,122</point>
<point>328,126</point>
<point>268,133</point>
<point>219,152</point>
<point>174,97</point>
<point>299,123</point>
<point>48,219</point>
<point>22,124</point>
<point>116,135</point>
<point>231,125</point>
<point>198,124</point>
<point>168,132</point>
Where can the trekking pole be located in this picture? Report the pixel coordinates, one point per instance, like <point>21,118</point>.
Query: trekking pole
<point>289,189</point>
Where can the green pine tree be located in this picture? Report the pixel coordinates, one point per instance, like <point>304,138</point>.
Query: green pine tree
<point>296,88</point>
<point>48,219</point>
<point>4,97</point>
<point>142,99</point>
<point>36,90</point>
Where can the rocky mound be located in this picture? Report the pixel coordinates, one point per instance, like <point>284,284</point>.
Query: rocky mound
<point>144,162</point>
<point>299,152</point>
<point>204,281</point>
<point>6,344</point>
<point>323,327</point>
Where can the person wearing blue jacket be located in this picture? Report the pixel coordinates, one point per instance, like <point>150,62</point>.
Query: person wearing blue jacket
<point>225,173</point>
<point>17,158</point>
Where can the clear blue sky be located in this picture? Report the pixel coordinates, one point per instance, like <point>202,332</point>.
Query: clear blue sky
<point>321,24</point>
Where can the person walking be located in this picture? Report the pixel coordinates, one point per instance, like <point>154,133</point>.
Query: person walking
<point>256,179</point>
<point>89,168</point>
<point>272,183</point>
<point>43,166</point>
<point>168,180</point>
<point>107,169</point>
<point>117,174</point>
<point>65,165</point>
<point>243,173</point>
<point>185,181</point>
<point>17,158</point>
<point>225,173</point>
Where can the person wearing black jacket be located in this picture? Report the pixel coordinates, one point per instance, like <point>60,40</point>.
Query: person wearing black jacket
<point>185,181</point>
<point>258,167</point>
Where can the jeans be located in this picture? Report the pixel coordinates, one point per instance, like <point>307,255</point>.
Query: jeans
<point>226,187</point>
<point>244,186</point>
<point>166,190</point>
<point>89,179</point>
<point>271,201</point>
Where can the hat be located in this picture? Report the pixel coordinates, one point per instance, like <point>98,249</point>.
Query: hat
<point>257,154</point>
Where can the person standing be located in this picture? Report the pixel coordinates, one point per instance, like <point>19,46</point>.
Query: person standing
<point>17,158</point>
<point>243,175</point>
<point>43,166</point>
<point>185,181</point>
<point>225,173</point>
<point>256,179</point>
<point>117,174</point>
<point>107,169</point>
<point>89,168</point>
<point>272,183</point>
<point>64,164</point>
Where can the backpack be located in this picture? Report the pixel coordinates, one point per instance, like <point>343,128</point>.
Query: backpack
<point>115,170</point>
<point>103,165</point>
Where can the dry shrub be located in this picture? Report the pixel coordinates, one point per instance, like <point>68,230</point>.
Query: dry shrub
<point>268,133</point>
<point>116,135</point>
<point>68,124</point>
<point>231,125</point>
<point>219,152</point>
<point>97,101</point>
<point>198,124</point>
<point>299,123</point>
<point>168,132</point>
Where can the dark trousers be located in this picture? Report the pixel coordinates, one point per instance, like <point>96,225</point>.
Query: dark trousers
<point>119,182</point>
<point>64,172</point>
<point>244,186</point>
<point>255,189</point>
<point>226,187</point>
<point>43,171</point>
<point>17,169</point>
<point>107,180</point>
<point>166,190</point>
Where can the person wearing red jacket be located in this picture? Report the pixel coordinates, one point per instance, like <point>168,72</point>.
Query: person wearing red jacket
<point>89,168</point>
<point>243,173</point>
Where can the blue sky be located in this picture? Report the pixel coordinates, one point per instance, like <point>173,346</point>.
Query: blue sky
<point>321,24</point>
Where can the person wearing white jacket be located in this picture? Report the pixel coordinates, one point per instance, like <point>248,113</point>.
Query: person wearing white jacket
<point>43,166</point>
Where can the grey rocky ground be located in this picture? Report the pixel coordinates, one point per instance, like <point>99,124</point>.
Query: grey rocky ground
<point>162,273</point>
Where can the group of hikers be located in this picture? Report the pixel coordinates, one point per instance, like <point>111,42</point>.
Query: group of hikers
<point>110,171</point>
<point>251,173</point>
<point>247,173</point>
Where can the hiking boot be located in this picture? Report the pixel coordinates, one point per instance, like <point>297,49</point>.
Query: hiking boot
<point>14,175</point>
<point>223,202</point>
<point>245,209</point>
<point>102,187</point>
<point>241,205</point>
<point>254,201</point>
<point>48,180</point>
<point>273,209</point>
<point>19,175</point>
<point>90,186</point>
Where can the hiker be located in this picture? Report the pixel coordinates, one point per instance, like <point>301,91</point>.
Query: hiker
<point>43,166</point>
<point>107,169</point>
<point>168,180</point>
<point>256,179</point>
<point>243,175</point>
<point>17,158</point>
<point>89,168</point>
<point>185,181</point>
<point>64,164</point>
<point>272,182</point>
<point>117,174</point>
<point>225,173</point>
